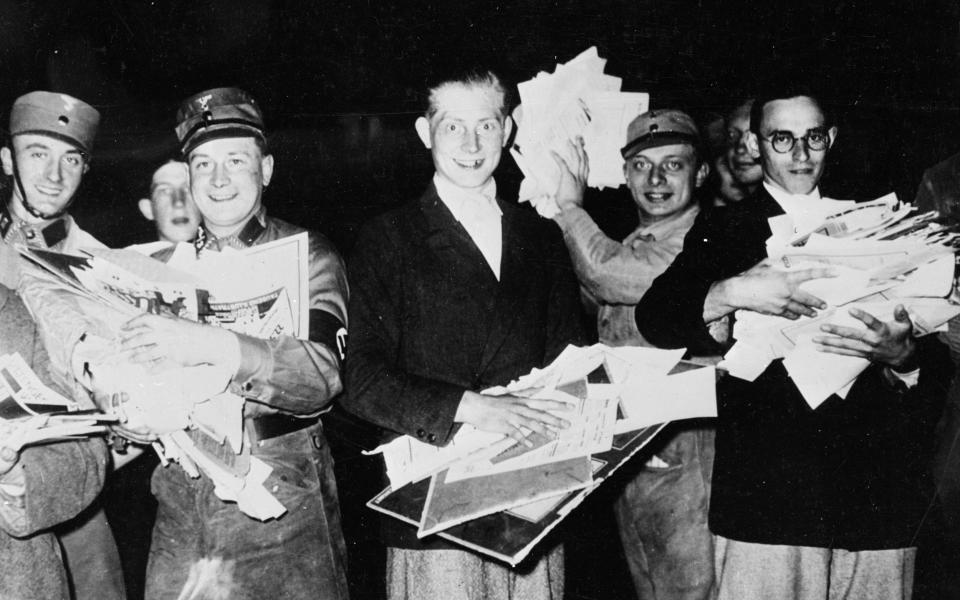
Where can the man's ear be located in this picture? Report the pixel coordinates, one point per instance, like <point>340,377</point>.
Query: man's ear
<point>752,143</point>
<point>6,157</point>
<point>702,172</point>
<point>507,130</point>
<point>832,132</point>
<point>266,169</point>
<point>422,125</point>
<point>146,208</point>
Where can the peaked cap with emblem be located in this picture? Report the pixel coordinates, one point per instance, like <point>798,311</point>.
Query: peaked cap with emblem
<point>57,115</point>
<point>660,128</point>
<point>218,113</point>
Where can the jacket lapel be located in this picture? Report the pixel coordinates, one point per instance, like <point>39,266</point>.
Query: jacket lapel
<point>513,285</point>
<point>452,245</point>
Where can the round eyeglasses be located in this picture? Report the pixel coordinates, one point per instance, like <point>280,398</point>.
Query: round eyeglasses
<point>784,141</point>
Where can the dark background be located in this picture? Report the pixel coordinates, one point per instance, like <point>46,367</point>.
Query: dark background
<point>339,83</point>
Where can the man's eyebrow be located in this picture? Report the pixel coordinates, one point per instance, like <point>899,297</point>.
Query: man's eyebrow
<point>36,145</point>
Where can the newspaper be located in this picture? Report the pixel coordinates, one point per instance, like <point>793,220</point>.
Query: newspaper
<point>261,292</point>
<point>32,413</point>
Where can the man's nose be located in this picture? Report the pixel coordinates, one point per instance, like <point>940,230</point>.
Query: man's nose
<point>800,151</point>
<point>180,197</point>
<point>471,141</point>
<point>220,177</point>
<point>656,175</point>
<point>53,172</point>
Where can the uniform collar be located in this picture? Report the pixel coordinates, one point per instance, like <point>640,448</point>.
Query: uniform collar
<point>660,230</point>
<point>52,233</point>
<point>244,238</point>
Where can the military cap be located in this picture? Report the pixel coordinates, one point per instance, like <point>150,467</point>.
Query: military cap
<point>56,115</point>
<point>660,128</point>
<point>218,113</point>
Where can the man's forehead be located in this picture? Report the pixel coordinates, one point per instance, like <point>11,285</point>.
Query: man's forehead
<point>170,172</point>
<point>797,115</point>
<point>669,150</point>
<point>458,100</point>
<point>225,147</point>
<point>39,140</point>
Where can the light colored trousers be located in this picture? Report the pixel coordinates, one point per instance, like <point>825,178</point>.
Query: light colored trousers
<point>746,571</point>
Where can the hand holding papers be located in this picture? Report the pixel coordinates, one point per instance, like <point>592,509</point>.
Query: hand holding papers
<point>576,100</point>
<point>31,413</point>
<point>881,256</point>
<point>491,477</point>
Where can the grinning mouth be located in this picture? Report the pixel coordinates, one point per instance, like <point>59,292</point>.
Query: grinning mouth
<point>657,197</point>
<point>469,164</point>
<point>221,198</point>
<point>48,191</point>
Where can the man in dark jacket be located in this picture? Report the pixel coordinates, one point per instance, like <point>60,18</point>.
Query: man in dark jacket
<point>454,293</point>
<point>806,503</point>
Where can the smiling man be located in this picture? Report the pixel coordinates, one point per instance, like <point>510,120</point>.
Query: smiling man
<point>170,205</point>
<point>454,293</point>
<point>662,512</point>
<point>806,504</point>
<point>46,158</point>
<point>286,383</point>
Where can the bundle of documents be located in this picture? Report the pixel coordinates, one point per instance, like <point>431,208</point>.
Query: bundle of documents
<point>261,291</point>
<point>882,253</point>
<point>577,99</point>
<point>480,473</point>
<point>32,413</point>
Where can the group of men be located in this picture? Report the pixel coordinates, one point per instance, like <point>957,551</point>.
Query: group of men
<point>458,291</point>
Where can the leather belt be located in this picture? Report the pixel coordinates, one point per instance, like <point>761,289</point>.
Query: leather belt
<point>266,427</point>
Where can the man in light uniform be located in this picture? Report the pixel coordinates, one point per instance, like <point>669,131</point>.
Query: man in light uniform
<point>286,382</point>
<point>662,513</point>
<point>48,154</point>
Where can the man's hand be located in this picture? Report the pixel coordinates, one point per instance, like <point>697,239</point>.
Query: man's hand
<point>766,290</point>
<point>8,459</point>
<point>513,416</point>
<point>155,341</point>
<point>574,171</point>
<point>891,343</point>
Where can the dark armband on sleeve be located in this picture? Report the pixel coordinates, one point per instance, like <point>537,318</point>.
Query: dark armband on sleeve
<point>329,331</point>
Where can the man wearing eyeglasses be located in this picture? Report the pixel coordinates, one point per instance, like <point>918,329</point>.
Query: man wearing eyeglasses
<point>805,503</point>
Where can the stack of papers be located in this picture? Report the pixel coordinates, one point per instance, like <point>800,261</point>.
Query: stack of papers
<point>480,473</point>
<point>261,291</point>
<point>883,254</point>
<point>32,413</point>
<point>577,99</point>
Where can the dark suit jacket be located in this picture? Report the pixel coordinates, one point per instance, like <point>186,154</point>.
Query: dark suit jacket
<point>429,320</point>
<point>847,475</point>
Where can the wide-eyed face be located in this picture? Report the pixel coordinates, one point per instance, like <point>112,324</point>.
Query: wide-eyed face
<point>49,169</point>
<point>743,166</point>
<point>662,180</point>
<point>797,171</point>
<point>466,134</point>
<point>170,204</point>
<point>227,177</point>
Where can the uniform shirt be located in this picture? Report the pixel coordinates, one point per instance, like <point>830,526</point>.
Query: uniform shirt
<point>615,275</point>
<point>287,374</point>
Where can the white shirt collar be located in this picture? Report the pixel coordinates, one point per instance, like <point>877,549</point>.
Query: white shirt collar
<point>791,203</point>
<point>468,206</point>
